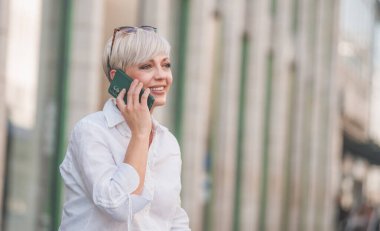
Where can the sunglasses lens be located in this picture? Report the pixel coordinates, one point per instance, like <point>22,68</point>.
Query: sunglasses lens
<point>149,28</point>
<point>131,29</point>
<point>127,29</point>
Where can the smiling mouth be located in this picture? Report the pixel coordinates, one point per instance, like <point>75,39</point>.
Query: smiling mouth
<point>157,90</point>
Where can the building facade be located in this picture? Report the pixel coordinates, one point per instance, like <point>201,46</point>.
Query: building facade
<point>263,94</point>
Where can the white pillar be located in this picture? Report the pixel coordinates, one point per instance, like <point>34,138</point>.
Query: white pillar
<point>3,112</point>
<point>302,58</point>
<point>335,140</point>
<point>233,15</point>
<point>279,112</point>
<point>258,28</point>
<point>85,73</point>
<point>316,156</point>
<point>200,51</point>
<point>157,13</point>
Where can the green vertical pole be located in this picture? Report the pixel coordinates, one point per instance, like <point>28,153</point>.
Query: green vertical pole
<point>61,97</point>
<point>295,18</point>
<point>274,7</point>
<point>241,127</point>
<point>288,164</point>
<point>180,80</point>
<point>266,133</point>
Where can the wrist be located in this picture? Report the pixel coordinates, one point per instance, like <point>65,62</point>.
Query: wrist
<point>140,136</point>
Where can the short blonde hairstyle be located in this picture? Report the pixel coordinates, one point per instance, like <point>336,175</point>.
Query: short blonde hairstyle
<point>133,48</point>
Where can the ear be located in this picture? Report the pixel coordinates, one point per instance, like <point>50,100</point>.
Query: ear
<point>112,74</point>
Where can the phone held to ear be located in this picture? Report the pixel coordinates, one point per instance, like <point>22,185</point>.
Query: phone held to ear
<point>122,81</point>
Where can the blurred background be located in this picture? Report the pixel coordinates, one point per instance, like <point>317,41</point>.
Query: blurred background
<point>275,103</point>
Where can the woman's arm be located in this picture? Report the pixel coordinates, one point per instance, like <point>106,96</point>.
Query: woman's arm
<point>138,118</point>
<point>136,156</point>
<point>108,185</point>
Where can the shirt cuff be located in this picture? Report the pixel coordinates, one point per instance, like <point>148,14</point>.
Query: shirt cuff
<point>127,177</point>
<point>138,203</point>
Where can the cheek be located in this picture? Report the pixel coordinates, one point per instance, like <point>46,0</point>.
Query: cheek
<point>139,75</point>
<point>170,81</point>
<point>145,80</point>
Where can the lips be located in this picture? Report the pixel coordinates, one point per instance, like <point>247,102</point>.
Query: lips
<point>157,89</point>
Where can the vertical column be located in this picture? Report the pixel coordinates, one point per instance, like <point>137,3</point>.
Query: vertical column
<point>316,171</point>
<point>321,211</point>
<point>278,117</point>
<point>258,28</point>
<point>85,74</point>
<point>47,132</point>
<point>308,34</point>
<point>326,204</point>
<point>198,76</point>
<point>3,113</point>
<point>156,13</point>
<point>23,166</point>
<point>302,60</point>
<point>225,151</point>
<point>334,137</point>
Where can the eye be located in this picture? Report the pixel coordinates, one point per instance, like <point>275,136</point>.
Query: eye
<point>167,65</point>
<point>145,67</point>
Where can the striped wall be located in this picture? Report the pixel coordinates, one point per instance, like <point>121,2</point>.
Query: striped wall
<point>256,114</point>
<point>254,103</point>
<point>253,106</point>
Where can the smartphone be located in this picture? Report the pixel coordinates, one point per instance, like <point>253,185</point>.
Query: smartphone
<point>122,81</point>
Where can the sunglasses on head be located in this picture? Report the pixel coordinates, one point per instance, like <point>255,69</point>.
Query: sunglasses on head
<point>128,29</point>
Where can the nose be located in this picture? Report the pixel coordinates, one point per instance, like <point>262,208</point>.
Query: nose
<point>160,73</point>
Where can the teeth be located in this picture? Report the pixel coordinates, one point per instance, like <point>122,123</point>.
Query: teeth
<point>157,88</point>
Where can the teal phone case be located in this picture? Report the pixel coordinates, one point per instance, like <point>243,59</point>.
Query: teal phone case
<point>121,81</point>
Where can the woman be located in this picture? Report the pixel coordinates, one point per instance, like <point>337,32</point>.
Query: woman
<point>122,168</point>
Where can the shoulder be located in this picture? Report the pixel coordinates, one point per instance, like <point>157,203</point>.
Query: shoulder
<point>171,141</point>
<point>92,122</point>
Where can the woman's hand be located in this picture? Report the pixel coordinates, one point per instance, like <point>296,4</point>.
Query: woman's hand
<point>136,114</point>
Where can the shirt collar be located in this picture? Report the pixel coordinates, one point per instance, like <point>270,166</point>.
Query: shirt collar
<point>157,126</point>
<point>112,113</point>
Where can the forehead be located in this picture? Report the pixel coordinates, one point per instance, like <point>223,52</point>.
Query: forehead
<point>159,58</point>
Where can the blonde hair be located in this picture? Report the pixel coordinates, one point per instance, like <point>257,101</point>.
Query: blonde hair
<point>133,48</point>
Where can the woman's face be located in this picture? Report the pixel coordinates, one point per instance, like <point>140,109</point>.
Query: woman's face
<point>156,75</point>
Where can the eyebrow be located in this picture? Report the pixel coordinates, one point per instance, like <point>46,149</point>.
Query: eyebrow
<point>165,59</point>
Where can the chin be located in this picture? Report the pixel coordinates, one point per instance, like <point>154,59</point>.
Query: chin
<point>158,103</point>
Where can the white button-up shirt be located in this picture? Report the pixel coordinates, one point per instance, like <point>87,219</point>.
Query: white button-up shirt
<point>98,185</point>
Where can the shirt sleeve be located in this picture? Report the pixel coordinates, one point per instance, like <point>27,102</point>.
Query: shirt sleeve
<point>180,221</point>
<point>109,185</point>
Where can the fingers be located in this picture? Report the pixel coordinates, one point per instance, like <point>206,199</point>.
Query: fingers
<point>144,97</point>
<point>119,99</point>
<point>133,95</point>
<point>130,94</point>
<point>136,94</point>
